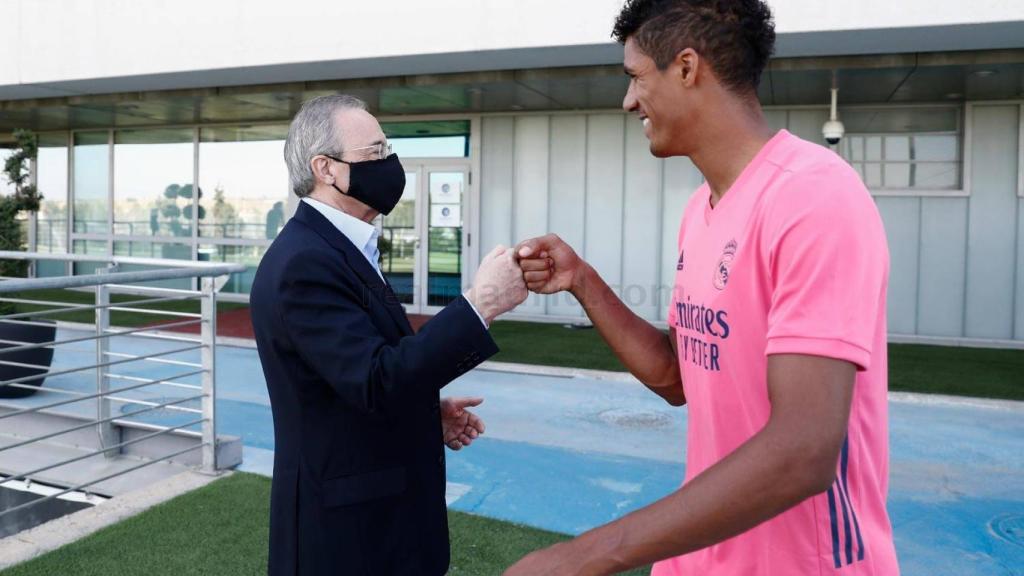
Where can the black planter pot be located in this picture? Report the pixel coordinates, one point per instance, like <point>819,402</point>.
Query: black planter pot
<point>28,333</point>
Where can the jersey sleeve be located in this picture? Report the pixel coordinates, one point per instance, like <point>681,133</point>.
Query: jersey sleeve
<point>829,266</point>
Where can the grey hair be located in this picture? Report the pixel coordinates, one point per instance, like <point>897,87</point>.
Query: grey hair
<point>312,132</point>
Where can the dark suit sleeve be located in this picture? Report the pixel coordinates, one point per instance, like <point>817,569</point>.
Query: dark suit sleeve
<point>325,315</point>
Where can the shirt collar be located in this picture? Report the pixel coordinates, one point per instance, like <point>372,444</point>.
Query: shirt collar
<point>362,234</point>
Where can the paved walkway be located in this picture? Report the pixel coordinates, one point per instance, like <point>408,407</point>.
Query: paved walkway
<point>567,453</point>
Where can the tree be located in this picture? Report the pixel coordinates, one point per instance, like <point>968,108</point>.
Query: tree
<point>26,198</point>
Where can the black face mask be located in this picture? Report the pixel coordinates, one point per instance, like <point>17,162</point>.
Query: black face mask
<point>377,183</point>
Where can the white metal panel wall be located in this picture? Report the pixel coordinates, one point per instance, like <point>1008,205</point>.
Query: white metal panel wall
<point>641,241</point>
<point>605,159</point>
<point>567,195</point>
<point>590,178</point>
<point>530,196</point>
<point>496,181</point>
<point>943,261</point>
<point>1018,333</point>
<point>992,223</point>
<point>807,124</point>
<point>957,263</point>
<point>901,217</point>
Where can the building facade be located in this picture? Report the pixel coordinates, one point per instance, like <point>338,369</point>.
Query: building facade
<point>162,125</point>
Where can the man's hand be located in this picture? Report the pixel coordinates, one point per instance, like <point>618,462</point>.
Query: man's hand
<point>498,286</point>
<point>549,265</point>
<point>460,426</point>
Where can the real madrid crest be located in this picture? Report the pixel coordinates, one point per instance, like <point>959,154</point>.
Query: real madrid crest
<point>724,265</point>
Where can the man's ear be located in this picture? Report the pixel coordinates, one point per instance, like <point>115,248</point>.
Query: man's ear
<point>321,167</point>
<point>688,63</point>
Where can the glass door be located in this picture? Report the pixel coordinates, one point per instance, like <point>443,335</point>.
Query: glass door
<point>422,240</point>
<point>400,242</point>
<point>445,245</point>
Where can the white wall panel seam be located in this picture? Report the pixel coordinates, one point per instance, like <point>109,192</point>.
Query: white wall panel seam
<point>1014,301</point>
<point>968,186</point>
<point>920,249</point>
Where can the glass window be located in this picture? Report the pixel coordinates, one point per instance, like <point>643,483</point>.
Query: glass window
<point>444,238</point>
<point>873,175</point>
<point>243,174</point>
<point>92,182</point>
<point>96,247</point>
<point>153,192</point>
<point>937,175</point>
<point>856,147</point>
<point>873,149</point>
<point>155,250</point>
<point>905,148</point>
<point>250,256</point>
<point>935,148</point>
<point>897,175</point>
<point>52,180</point>
<point>900,120</point>
<point>163,250</point>
<point>398,242</point>
<point>897,148</point>
<point>436,147</point>
<point>441,139</point>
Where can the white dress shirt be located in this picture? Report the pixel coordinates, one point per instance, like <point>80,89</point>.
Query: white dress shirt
<point>363,235</point>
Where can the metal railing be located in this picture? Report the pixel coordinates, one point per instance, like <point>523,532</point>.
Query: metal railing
<point>107,385</point>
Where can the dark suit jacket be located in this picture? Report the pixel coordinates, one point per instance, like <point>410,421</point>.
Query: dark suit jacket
<point>359,470</point>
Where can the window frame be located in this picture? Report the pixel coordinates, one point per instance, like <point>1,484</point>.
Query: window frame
<point>963,134</point>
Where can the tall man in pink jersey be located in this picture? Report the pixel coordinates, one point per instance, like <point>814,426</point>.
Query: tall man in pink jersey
<point>777,339</point>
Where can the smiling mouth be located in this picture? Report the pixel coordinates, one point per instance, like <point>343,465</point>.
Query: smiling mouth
<point>645,121</point>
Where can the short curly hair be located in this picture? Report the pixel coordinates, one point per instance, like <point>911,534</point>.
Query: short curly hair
<point>736,36</point>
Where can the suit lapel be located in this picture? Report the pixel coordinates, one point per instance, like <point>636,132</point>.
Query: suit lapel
<point>356,262</point>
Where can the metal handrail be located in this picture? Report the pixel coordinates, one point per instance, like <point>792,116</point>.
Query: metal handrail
<point>150,406</point>
<point>101,394</point>
<point>73,307</point>
<point>116,277</point>
<point>130,260</point>
<point>154,360</point>
<point>16,382</point>
<point>107,334</point>
<point>106,399</point>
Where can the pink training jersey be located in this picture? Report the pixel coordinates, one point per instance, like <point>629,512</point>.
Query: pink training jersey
<point>792,260</point>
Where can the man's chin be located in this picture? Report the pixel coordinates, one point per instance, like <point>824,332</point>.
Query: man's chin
<point>660,151</point>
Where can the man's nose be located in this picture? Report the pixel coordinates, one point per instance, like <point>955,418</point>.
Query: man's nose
<point>629,102</point>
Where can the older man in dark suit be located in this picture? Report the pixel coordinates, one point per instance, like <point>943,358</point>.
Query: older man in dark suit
<point>359,467</point>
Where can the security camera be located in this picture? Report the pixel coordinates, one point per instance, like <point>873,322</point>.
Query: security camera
<point>833,131</point>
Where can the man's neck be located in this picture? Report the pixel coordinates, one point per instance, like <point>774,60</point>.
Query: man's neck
<point>729,143</point>
<point>336,200</point>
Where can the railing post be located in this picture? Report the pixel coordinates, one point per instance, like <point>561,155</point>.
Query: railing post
<point>208,334</point>
<point>106,428</point>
